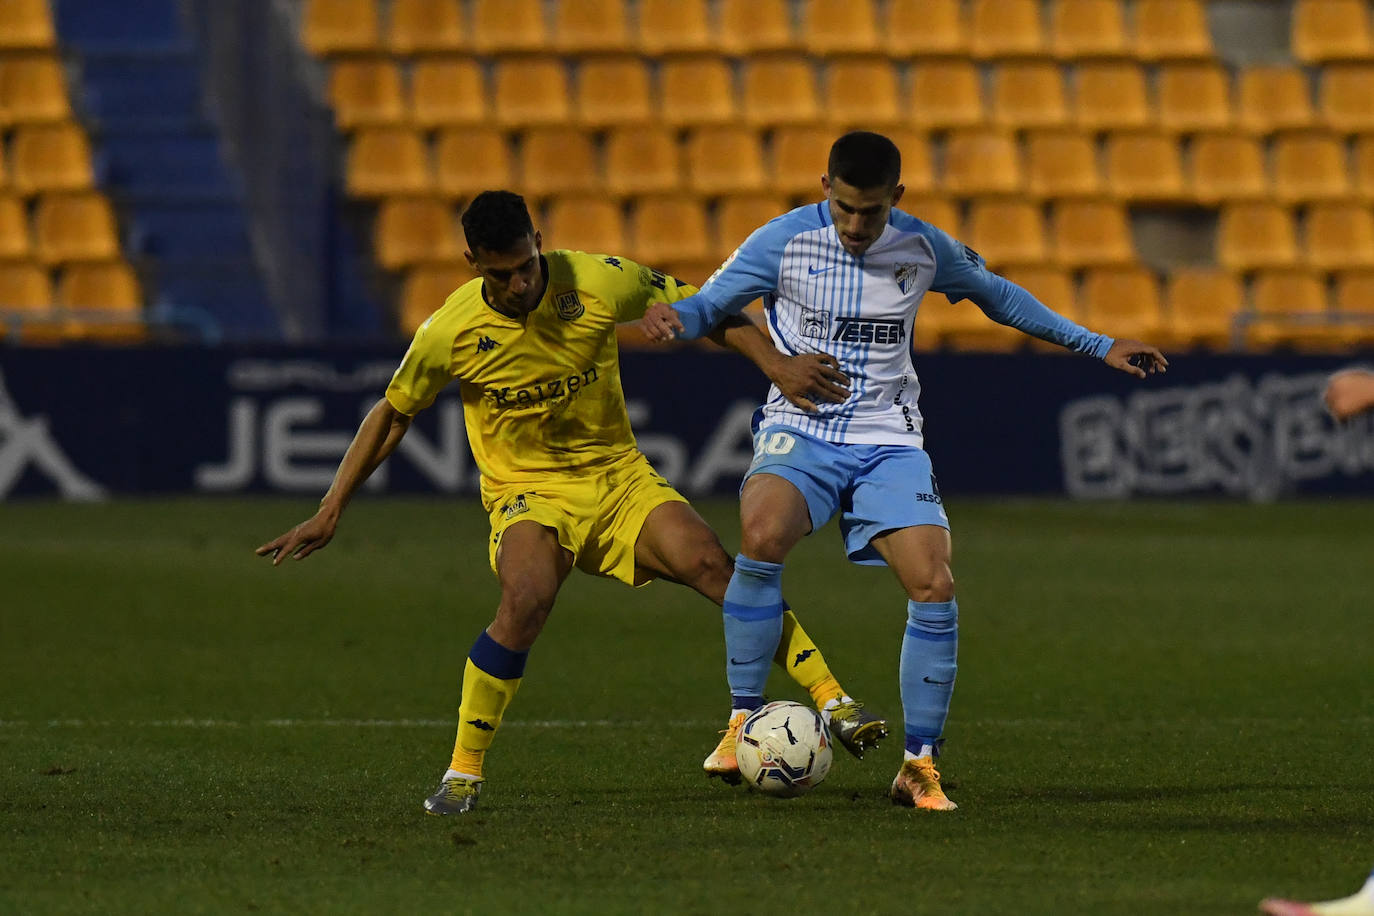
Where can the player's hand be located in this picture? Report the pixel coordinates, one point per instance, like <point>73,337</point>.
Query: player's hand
<point>661,323</point>
<point>1136,358</point>
<point>808,378</point>
<point>1349,392</point>
<point>302,540</point>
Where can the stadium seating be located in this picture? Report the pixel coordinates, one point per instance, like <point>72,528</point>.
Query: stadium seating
<point>983,161</point>
<point>1310,166</point>
<point>470,160</point>
<point>946,94</point>
<point>1339,235</point>
<point>642,159</point>
<point>341,26</point>
<point>1272,98</point>
<point>1006,28</point>
<point>1255,235</point>
<point>1007,232</point>
<point>448,91</point>
<point>414,230</point>
<point>1345,102</point>
<point>388,160</point>
<point>1144,166</point>
<point>780,90</point>
<point>15,243</point>
<point>590,26</point>
<point>425,289</point>
<point>1091,233</point>
<point>74,227</point>
<point>426,26</point>
<point>1172,30</point>
<point>1062,164</point>
<point>1088,28</point>
<point>50,157</point>
<point>1194,97</point>
<point>585,223</point>
<point>1227,166</point>
<point>613,90</point>
<point>1111,95</point>
<point>928,28</point>
<point>1292,309</point>
<point>840,27</point>
<point>698,90</point>
<point>26,24</point>
<point>366,93</point>
<point>748,27</point>
<point>1201,306</point>
<point>1125,299</point>
<point>32,90</point>
<point>558,160</point>
<point>1029,94</point>
<point>531,90</point>
<point>505,26</point>
<point>675,27</point>
<point>1331,30</point>
<point>863,91</point>
<point>723,160</point>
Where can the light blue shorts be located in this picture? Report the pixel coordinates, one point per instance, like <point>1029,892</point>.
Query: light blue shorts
<point>875,488</point>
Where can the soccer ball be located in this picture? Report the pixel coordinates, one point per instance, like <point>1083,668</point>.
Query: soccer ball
<point>783,749</point>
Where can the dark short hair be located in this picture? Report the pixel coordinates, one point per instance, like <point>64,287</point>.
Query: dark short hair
<point>865,160</point>
<point>496,221</point>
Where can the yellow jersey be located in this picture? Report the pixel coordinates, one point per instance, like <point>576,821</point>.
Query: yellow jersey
<point>541,394</point>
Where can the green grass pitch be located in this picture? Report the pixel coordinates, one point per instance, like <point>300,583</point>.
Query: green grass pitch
<point>1162,708</point>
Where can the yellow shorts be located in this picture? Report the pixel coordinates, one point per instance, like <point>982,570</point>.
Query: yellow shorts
<point>597,514</point>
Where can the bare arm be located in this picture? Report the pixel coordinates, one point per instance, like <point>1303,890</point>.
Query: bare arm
<point>802,379</point>
<point>377,437</point>
<point>1350,392</point>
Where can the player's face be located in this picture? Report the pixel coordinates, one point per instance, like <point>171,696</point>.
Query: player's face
<point>514,279</point>
<point>859,214</point>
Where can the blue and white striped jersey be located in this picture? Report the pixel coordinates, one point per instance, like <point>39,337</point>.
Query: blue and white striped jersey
<point>819,298</point>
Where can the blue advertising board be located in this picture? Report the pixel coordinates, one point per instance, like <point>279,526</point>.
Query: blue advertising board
<point>91,422</point>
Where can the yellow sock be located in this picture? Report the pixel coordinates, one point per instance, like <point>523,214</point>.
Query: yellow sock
<point>800,658</point>
<point>484,702</point>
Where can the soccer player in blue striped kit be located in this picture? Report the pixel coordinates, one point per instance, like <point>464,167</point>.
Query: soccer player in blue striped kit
<point>844,278</point>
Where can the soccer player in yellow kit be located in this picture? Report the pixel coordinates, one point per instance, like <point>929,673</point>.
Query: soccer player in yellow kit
<point>532,343</point>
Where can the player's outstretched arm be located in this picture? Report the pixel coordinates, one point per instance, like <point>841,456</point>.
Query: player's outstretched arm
<point>1136,358</point>
<point>1349,392</point>
<point>803,379</point>
<point>377,437</point>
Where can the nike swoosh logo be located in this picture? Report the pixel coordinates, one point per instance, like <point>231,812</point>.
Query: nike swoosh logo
<point>937,683</point>
<point>735,661</point>
<point>813,271</point>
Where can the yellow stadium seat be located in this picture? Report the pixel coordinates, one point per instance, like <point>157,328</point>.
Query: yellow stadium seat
<point>1123,302</point>
<point>1145,166</point>
<point>675,27</point>
<point>946,94</point>
<point>918,160</point>
<point>1006,28</point>
<point>840,27</point>
<point>800,157</point>
<point>1201,307</point>
<point>505,26</point>
<point>1274,97</point>
<point>1088,28</point>
<point>1194,97</point>
<point>388,160</point>
<point>613,91</point>
<point>366,93</point>
<point>982,161</point>
<point>724,160</point>
<point>50,157</point>
<point>748,27</point>
<point>1292,308</point>
<point>590,26</point>
<point>340,26</point>
<point>412,230</point>
<point>448,91</point>
<point>585,223</point>
<point>1062,163</point>
<point>26,24</point>
<point>1363,169</point>
<point>558,160</point>
<point>4,170</point>
<point>76,226</point>
<point>1111,95</point>
<point>738,215</point>
<point>1255,235</point>
<point>1346,101</point>
<point>863,92</point>
<point>780,90</point>
<point>670,229</point>
<point>937,209</point>
<point>1172,30</point>
<point>1310,166</point>
<point>532,91</point>
<point>14,229</point>
<point>24,286</point>
<point>1354,302</point>
<point>472,160</point>
<point>1029,94</point>
<point>1226,167</point>
<point>1339,235</point>
<point>1331,30</point>
<point>698,90</point>
<point>1091,233</point>
<point>425,289</point>
<point>642,159</point>
<point>1007,232</point>
<point>108,300</point>
<point>426,26</point>
<point>927,28</point>
<point>32,90</point>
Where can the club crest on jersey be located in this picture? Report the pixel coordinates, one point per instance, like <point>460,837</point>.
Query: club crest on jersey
<point>568,305</point>
<point>905,275</point>
<point>515,507</point>
<point>815,323</point>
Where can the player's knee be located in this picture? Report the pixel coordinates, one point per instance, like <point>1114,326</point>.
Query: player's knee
<point>765,539</point>
<point>938,585</point>
<point>708,571</point>
<point>524,609</point>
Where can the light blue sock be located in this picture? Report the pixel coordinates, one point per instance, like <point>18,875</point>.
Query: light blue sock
<point>929,652</point>
<point>753,625</point>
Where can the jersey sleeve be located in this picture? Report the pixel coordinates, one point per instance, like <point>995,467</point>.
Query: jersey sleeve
<point>961,273</point>
<point>424,371</point>
<point>752,271</point>
<point>633,287</point>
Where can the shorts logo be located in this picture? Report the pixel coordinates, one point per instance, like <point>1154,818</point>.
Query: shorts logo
<point>815,323</point>
<point>515,507</point>
<point>568,305</point>
<point>905,275</point>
